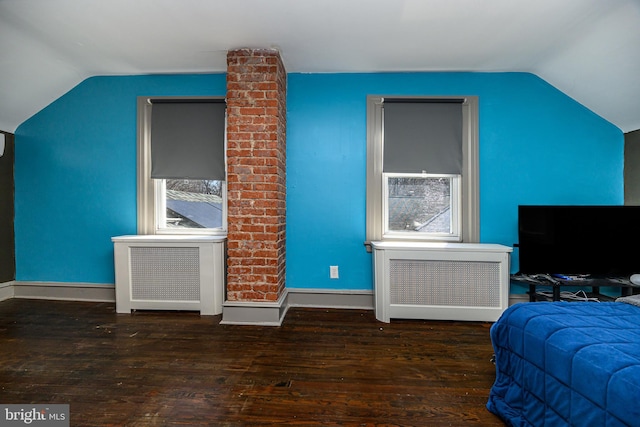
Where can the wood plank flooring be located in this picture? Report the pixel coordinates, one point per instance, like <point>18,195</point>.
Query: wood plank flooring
<point>321,367</point>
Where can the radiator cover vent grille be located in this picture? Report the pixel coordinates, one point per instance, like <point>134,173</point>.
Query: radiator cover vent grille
<point>165,273</point>
<point>169,272</point>
<point>440,280</point>
<point>445,283</point>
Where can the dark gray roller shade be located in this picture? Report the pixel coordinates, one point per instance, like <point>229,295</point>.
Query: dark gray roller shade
<point>423,136</point>
<point>187,140</point>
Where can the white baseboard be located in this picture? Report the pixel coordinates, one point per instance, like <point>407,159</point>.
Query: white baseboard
<point>233,312</point>
<point>260,313</point>
<point>273,313</point>
<point>6,290</point>
<point>91,292</point>
<point>328,298</point>
<point>516,298</point>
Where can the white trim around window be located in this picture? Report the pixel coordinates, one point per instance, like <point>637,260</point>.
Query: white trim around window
<point>151,192</point>
<point>469,213</point>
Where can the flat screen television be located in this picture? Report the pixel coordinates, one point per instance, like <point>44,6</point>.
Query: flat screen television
<point>576,240</point>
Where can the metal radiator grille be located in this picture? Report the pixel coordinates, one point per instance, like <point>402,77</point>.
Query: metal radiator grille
<point>165,274</point>
<point>445,283</point>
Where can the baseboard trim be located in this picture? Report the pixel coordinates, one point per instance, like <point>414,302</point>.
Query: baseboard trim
<point>91,292</point>
<point>6,290</point>
<point>328,298</point>
<point>255,312</point>
<point>273,313</point>
<point>233,312</point>
<point>517,298</point>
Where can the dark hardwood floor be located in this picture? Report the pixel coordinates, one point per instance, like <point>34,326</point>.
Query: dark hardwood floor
<point>321,367</point>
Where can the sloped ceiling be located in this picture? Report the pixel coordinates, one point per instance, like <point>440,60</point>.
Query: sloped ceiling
<point>589,49</point>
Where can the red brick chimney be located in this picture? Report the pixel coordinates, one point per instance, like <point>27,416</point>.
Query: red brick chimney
<point>256,175</point>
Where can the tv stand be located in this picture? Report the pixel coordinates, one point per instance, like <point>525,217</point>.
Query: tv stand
<point>594,283</point>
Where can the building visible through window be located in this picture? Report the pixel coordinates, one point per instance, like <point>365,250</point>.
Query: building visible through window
<point>417,204</point>
<point>422,168</point>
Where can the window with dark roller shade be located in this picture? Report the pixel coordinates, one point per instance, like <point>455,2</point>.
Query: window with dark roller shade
<point>422,168</point>
<point>187,140</point>
<point>422,136</point>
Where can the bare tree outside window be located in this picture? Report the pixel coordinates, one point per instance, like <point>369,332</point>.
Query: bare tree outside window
<point>201,186</point>
<point>419,204</point>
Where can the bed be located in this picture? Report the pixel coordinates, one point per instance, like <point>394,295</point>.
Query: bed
<point>567,364</point>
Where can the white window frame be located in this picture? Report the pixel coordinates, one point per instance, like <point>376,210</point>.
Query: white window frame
<point>152,192</point>
<point>469,213</point>
<point>454,233</point>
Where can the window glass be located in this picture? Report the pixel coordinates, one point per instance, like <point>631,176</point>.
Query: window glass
<point>191,203</point>
<point>421,205</point>
<point>421,201</point>
<point>180,202</point>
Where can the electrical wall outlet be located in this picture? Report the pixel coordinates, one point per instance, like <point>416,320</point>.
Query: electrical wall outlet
<point>333,271</point>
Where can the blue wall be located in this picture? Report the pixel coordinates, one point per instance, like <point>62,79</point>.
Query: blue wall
<point>75,166</point>
<point>75,175</point>
<point>536,146</point>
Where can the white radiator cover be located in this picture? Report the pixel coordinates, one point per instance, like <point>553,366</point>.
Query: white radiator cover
<point>159,272</point>
<point>440,281</point>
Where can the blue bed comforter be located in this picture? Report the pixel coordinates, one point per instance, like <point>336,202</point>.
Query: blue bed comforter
<point>567,364</point>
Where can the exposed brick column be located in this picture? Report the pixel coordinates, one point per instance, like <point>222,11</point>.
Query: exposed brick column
<point>256,174</point>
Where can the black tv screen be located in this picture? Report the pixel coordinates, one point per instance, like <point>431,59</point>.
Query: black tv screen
<point>575,240</point>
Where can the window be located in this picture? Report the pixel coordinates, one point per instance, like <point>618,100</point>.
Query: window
<point>189,204</point>
<point>416,205</point>
<point>181,166</point>
<point>422,169</point>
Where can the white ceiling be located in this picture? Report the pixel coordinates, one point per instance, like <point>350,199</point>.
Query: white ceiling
<point>589,49</point>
